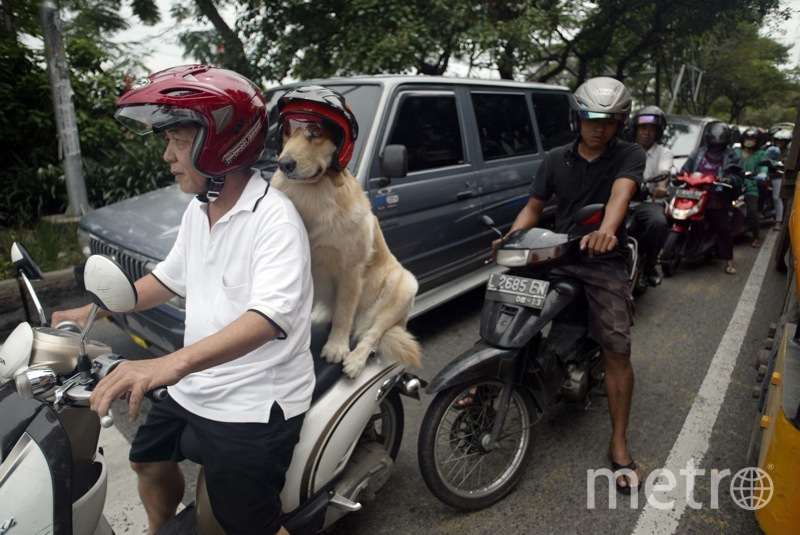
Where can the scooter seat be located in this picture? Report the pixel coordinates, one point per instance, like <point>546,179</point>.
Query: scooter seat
<point>326,373</point>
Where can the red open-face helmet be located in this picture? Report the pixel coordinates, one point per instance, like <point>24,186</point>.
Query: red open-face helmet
<point>330,107</point>
<point>229,109</point>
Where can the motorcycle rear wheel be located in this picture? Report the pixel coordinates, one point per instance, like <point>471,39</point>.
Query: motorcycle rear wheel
<point>671,256</point>
<point>455,462</point>
<point>386,425</point>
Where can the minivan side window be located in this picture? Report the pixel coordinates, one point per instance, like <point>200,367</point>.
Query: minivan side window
<point>552,116</point>
<point>504,125</point>
<point>429,127</point>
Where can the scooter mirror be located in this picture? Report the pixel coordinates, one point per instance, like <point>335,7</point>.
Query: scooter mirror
<point>23,261</point>
<point>108,285</point>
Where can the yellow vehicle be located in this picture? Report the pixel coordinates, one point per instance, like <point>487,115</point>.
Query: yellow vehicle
<point>775,441</point>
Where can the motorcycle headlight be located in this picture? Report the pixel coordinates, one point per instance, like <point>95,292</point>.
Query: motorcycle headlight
<point>512,257</point>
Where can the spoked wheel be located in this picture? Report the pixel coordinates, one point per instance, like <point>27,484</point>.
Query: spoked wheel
<point>386,425</point>
<point>671,255</point>
<point>458,463</point>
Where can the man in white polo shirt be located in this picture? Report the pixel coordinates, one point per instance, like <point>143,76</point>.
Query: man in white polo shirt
<point>244,378</point>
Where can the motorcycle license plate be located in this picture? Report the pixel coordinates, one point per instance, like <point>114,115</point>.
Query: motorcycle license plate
<point>688,194</point>
<point>517,290</point>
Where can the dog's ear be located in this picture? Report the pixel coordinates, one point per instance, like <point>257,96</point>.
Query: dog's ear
<point>337,177</point>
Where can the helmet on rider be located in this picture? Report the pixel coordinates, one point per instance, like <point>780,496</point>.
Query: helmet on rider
<point>601,98</point>
<point>750,138</point>
<point>650,115</point>
<point>328,106</point>
<point>782,135</point>
<point>229,110</point>
<point>717,136</point>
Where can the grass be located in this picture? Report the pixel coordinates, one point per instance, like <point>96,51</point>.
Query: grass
<point>52,245</point>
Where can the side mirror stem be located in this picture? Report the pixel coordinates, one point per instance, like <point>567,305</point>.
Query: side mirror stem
<point>34,298</point>
<point>84,365</point>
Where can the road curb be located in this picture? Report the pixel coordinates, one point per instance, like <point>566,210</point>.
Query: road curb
<point>56,288</point>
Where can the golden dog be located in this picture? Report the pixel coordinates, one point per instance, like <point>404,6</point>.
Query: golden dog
<point>359,285</point>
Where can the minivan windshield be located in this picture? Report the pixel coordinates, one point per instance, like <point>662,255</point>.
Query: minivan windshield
<point>681,138</point>
<point>362,99</point>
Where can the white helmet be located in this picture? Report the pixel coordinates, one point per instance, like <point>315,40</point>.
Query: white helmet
<point>601,98</point>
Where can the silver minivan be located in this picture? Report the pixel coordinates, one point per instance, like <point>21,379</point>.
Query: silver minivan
<point>433,154</point>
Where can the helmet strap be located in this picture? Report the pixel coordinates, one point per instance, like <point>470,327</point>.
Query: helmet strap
<point>214,187</point>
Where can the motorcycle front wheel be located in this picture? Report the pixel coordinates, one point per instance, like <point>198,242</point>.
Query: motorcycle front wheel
<point>456,459</point>
<point>671,255</point>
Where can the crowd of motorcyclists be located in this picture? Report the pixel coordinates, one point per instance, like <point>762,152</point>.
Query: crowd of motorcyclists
<point>577,174</point>
<point>750,160</point>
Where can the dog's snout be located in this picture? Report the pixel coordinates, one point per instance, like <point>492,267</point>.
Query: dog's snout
<point>287,165</point>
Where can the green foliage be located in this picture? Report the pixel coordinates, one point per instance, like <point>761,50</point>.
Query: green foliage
<point>115,164</point>
<point>52,245</point>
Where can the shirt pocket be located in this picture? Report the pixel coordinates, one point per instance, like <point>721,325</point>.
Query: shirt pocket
<point>231,301</point>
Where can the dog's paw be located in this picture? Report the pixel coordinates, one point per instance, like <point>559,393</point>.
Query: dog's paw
<point>335,353</point>
<point>353,364</point>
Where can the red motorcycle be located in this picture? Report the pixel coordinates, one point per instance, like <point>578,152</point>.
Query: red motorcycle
<point>690,236</point>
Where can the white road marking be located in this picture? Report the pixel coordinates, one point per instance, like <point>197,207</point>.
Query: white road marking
<point>693,441</point>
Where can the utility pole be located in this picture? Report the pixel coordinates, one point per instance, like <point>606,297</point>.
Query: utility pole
<point>69,149</point>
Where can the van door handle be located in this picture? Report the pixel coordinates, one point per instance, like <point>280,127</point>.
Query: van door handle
<point>465,194</point>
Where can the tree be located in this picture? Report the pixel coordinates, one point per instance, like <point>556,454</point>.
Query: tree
<point>31,178</point>
<point>741,70</point>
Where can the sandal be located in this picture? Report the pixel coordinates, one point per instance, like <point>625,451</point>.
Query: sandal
<point>630,474</point>
<point>730,270</point>
<point>468,400</point>
<point>777,226</point>
<point>756,244</point>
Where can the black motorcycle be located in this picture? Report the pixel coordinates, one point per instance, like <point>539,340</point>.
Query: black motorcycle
<point>476,437</point>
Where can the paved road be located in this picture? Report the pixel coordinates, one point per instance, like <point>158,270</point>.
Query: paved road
<point>695,339</point>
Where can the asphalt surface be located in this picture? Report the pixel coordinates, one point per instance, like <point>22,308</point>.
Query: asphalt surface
<point>682,327</point>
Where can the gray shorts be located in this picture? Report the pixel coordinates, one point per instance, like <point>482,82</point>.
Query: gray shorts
<point>609,298</point>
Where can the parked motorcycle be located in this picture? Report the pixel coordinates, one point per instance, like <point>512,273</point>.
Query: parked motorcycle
<point>690,236</point>
<point>477,434</point>
<point>53,478</point>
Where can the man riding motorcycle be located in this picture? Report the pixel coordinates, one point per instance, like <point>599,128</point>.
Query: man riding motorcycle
<point>649,224</point>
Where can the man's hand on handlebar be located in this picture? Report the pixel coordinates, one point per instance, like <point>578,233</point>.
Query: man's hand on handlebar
<point>77,315</point>
<point>599,242</point>
<point>132,379</point>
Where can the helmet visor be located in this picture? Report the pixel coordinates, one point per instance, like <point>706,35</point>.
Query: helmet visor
<point>148,118</point>
<point>589,115</point>
<point>648,119</point>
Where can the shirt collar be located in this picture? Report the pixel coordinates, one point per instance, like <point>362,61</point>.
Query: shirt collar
<point>572,153</point>
<point>255,190</point>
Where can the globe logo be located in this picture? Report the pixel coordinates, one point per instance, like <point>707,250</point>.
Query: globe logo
<point>751,488</point>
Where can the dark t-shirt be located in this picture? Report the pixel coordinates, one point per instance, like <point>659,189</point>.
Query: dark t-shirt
<point>577,183</point>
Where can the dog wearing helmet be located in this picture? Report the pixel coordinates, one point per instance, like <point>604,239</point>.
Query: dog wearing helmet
<point>359,285</point>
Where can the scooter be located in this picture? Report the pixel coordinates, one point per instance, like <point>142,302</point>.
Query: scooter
<point>477,434</point>
<point>53,477</point>
<point>690,236</point>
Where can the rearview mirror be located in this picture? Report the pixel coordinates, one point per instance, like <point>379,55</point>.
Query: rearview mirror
<point>23,262</point>
<point>108,285</point>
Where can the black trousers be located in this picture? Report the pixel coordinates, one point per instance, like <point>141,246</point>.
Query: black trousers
<point>719,221</point>
<point>650,229</point>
